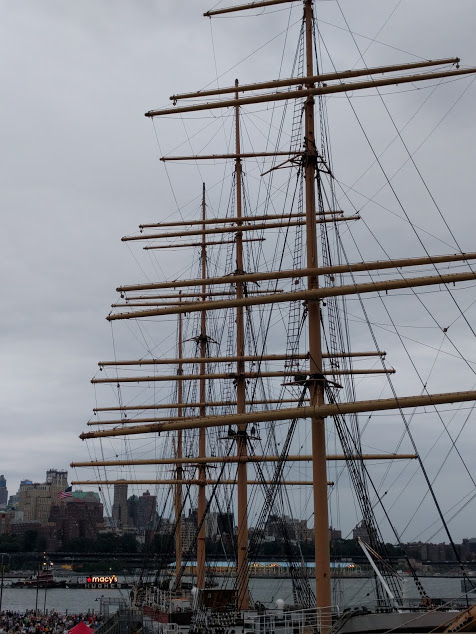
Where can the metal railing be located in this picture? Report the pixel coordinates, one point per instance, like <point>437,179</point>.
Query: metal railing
<point>308,621</point>
<point>125,621</point>
<point>105,604</point>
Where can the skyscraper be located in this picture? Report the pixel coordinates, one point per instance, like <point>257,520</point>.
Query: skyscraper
<point>36,498</point>
<point>3,491</point>
<point>146,513</point>
<point>120,515</point>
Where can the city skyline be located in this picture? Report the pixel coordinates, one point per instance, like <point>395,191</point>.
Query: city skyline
<point>121,515</point>
<point>80,170</point>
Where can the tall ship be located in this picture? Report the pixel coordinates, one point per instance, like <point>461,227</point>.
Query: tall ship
<point>267,363</point>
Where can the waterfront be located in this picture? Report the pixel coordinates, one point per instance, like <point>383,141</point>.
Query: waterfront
<point>347,592</point>
<point>350,592</point>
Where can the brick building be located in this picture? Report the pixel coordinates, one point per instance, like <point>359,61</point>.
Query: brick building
<point>78,517</point>
<point>4,522</point>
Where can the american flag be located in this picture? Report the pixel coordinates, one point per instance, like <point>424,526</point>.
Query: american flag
<point>67,493</point>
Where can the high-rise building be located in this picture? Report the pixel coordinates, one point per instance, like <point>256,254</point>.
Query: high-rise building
<point>13,501</point>
<point>211,525</point>
<point>132,509</point>
<point>57,477</point>
<point>82,516</point>
<point>189,534</point>
<point>142,511</point>
<point>361,531</point>
<point>226,523</point>
<point>36,498</point>
<point>218,524</point>
<point>120,515</point>
<point>3,491</point>
<point>146,512</point>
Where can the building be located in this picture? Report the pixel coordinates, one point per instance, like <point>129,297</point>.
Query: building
<point>146,512</point>
<point>13,501</point>
<point>120,512</point>
<point>143,512</point>
<point>133,508</point>
<point>36,498</point>
<point>165,526</point>
<point>468,548</point>
<point>86,496</point>
<point>334,533</point>
<point>189,535</point>
<point>436,552</point>
<point>56,477</point>
<point>3,492</point>
<point>35,502</point>
<point>226,523</point>
<point>303,533</point>
<point>4,522</point>
<point>287,528</point>
<point>79,517</point>
<point>361,532</point>
<point>21,528</point>
<point>211,525</point>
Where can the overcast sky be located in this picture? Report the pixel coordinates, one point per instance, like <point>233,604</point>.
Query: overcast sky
<point>79,169</point>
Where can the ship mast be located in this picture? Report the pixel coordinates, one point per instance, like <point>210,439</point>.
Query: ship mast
<point>179,469</point>
<point>316,385</point>
<point>202,452</point>
<point>241,436</point>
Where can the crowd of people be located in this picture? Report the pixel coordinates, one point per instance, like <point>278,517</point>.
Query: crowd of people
<point>52,623</point>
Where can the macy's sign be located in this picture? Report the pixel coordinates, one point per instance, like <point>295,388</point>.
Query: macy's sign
<point>110,579</point>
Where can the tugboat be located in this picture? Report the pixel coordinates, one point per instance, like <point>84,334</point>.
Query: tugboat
<point>44,579</point>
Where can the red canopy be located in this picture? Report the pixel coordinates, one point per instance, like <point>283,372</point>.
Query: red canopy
<point>81,628</point>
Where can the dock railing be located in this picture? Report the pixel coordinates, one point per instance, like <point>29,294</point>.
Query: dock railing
<point>125,621</point>
<point>307,621</point>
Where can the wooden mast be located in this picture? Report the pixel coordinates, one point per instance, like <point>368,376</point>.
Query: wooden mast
<point>316,388</point>
<point>202,451</point>
<point>179,469</point>
<point>241,438</point>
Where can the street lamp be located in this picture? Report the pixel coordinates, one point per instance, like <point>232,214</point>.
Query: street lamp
<point>37,589</point>
<point>3,571</point>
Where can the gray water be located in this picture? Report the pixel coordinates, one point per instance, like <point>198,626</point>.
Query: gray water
<point>347,592</point>
<point>351,592</point>
<point>64,601</point>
